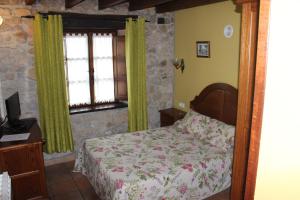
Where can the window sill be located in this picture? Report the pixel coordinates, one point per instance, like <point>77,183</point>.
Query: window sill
<point>110,106</point>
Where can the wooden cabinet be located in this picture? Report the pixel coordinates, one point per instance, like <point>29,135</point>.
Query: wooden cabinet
<point>170,115</point>
<point>25,164</point>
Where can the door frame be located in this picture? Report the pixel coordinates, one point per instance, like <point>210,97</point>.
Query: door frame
<point>252,77</point>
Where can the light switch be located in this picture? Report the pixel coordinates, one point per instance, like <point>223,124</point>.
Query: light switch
<point>181,104</point>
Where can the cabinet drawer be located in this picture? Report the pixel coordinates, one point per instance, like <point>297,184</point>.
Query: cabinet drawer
<point>27,186</point>
<point>20,159</point>
<point>23,160</point>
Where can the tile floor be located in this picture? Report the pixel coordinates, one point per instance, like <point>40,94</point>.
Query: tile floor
<point>63,184</point>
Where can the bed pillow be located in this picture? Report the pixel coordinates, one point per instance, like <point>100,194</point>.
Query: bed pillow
<point>193,123</point>
<point>220,135</point>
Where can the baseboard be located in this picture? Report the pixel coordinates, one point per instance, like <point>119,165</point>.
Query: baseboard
<point>63,159</point>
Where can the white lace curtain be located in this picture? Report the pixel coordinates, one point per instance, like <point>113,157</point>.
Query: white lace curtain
<point>103,68</point>
<point>77,67</point>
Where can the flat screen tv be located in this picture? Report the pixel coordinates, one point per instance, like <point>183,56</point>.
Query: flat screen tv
<point>13,109</point>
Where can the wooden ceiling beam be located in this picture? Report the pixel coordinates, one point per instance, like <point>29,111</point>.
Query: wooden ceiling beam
<point>72,3</point>
<point>179,5</point>
<point>29,2</point>
<point>241,2</point>
<point>102,4</point>
<point>142,4</point>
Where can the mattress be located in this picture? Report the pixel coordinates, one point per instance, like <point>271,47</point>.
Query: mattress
<point>160,163</point>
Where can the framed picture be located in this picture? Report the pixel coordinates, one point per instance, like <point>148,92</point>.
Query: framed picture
<point>203,49</point>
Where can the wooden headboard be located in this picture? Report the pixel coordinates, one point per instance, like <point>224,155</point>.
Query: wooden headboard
<point>219,101</point>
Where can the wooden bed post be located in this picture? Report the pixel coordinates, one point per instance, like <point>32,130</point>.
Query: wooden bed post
<point>249,24</point>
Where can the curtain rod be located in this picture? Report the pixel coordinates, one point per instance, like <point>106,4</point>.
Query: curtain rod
<point>45,15</point>
<point>28,16</point>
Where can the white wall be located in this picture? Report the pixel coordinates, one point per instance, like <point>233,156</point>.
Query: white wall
<point>279,158</point>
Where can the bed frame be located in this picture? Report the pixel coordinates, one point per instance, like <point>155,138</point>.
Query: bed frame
<point>219,101</point>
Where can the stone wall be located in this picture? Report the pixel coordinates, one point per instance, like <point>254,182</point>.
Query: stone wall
<point>17,65</point>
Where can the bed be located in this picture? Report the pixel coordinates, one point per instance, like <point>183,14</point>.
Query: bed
<point>191,159</point>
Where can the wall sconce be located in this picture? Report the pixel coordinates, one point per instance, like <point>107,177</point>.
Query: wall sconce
<point>1,20</point>
<point>179,64</point>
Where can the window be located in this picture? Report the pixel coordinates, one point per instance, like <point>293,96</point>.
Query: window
<point>95,68</point>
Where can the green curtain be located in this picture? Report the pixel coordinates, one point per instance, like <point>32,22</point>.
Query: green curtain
<point>136,74</point>
<point>51,84</point>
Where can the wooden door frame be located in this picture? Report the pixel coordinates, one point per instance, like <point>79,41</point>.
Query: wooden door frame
<point>248,43</point>
<point>252,75</point>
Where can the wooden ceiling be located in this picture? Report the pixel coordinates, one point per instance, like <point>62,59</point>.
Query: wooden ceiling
<point>161,6</point>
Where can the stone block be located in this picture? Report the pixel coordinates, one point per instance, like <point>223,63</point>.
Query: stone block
<point>4,2</point>
<point>10,76</point>
<point>16,2</point>
<point>21,36</point>
<point>22,12</point>
<point>5,12</point>
<point>6,41</point>
<point>31,74</point>
<point>10,24</point>
<point>31,50</point>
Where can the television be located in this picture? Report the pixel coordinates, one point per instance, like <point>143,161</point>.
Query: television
<point>13,109</point>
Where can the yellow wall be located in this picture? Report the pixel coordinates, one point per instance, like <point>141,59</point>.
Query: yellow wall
<point>205,23</point>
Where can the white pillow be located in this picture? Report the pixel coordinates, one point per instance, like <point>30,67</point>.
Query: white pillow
<point>220,134</point>
<point>214,132</point>
<point>194,123</point>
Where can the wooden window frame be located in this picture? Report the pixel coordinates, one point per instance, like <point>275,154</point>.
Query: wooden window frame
<point>93,105</point>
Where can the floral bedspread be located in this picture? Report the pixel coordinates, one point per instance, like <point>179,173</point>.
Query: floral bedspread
<point>155,164</point>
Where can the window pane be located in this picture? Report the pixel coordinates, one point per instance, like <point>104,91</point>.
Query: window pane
<point>77,66</point>
<point>103,68</point>
<point>77,46</point>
